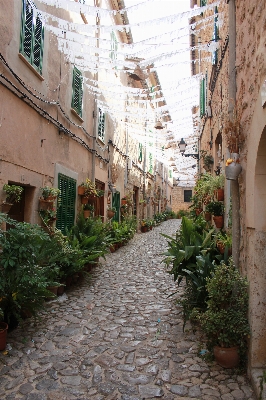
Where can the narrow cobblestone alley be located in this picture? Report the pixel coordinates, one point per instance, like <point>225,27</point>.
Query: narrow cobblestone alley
<point>117,337</point>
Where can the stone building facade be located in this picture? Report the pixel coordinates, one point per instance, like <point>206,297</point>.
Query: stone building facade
<point>248,113</point>
<point>57,127</point>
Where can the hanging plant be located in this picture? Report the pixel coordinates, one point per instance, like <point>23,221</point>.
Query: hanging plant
<point>13,193</point>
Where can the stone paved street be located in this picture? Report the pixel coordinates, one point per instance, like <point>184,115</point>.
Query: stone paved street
<point>116,337</point>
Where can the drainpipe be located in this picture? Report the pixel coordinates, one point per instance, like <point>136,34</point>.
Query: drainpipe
<point>232,102</point>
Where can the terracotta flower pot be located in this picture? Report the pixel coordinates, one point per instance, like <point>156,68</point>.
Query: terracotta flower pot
<point>53,289</point>
<point>110,214</point>
<point>112,248</point>
<point>81,190</point>
<point>227,357</point>
<point>207,216</point>
<point>84,200</point>
<point>144,229</point>
<point>218,220</point>
<point>45,204</point>
<point>5,207</point>
<point>198,211</point>
<point>86,213</point>
<point>3,335</point>
<point>123,202</point>
<point>219,194</point>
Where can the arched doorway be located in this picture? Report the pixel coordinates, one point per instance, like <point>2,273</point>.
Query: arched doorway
<point>256,260</point>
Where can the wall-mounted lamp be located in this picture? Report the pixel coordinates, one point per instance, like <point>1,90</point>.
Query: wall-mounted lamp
<point>182,147</point>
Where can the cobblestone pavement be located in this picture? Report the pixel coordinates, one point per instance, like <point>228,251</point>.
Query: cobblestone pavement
<point>116,337</point>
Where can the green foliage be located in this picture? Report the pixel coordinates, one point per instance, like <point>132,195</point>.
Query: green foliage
<point>13,193</point>
<point>49,192</point>
<point>88,206</point>
<point>186,246</point>
<point>216,208</point>
<point>23,281</point>
<point>91,235</point>
<point>122,232</point>
<point>225,321</point>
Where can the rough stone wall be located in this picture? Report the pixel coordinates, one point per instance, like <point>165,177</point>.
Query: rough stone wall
<point>178,198</point>
<point>217,88</point>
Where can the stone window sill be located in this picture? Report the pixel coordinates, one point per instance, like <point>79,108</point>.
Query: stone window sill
<point>76,115</point>
<point>31,67</point>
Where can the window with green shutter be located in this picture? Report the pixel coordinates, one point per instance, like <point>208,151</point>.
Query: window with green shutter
<point>202,97</point>
<point>140,153</point>
<point>31,35</point>
<point>203,3</point>
<point>101,124</point>
<point>150,163</point>
<point>77,91</point>
<point>215,36</point>
<point>114,47</point>
<point>116,204</point>
<point>170,173</point>
<point>66,209</point>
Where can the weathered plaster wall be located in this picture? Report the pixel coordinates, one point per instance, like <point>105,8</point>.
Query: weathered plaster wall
<point>178,198</point>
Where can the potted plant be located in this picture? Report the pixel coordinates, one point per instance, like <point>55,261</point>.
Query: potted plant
<point>111,212</point>
<point>216,208</point>
<point>81,189</point>
<point>224,242</point>
<point>13,195</point>
<point>218,187</point>
<point>207,160</point>
<point>143,202</point>
<point>144,225</point>
<point>88,209</point>
<point>48,216</point>
<point>225,321</point>
<point>50,193</point>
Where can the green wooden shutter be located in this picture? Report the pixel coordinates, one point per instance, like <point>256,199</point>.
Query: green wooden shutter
<point>203,3</point>
<point>170,173</point>
<point>114,47</point>
<point>101,124</point>
<point>116,204</point>
<point>202,97</point>
<point>150,163</point>
<point>38,44</point>
<point>77,92</point>
<point>215,36</point>
<point>66,210</point>
<point>140,153</point>
<point>31,35</point>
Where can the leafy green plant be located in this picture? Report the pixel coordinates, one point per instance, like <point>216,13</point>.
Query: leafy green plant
<point>113,209</point>
<point>47,192</point>
<point>88,206</point>
<point>225,321</point>
<point>216,208</point>
<point>22,279</point>
<point>48,215</point>
<point>13,193</point>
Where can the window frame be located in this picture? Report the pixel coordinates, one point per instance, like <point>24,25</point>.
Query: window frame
<point>101,123</point>
<point>77,90</point>
<point>186,194</point>
<point>202,97</point>
<point>66,210</point>
<point>32,24</point>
